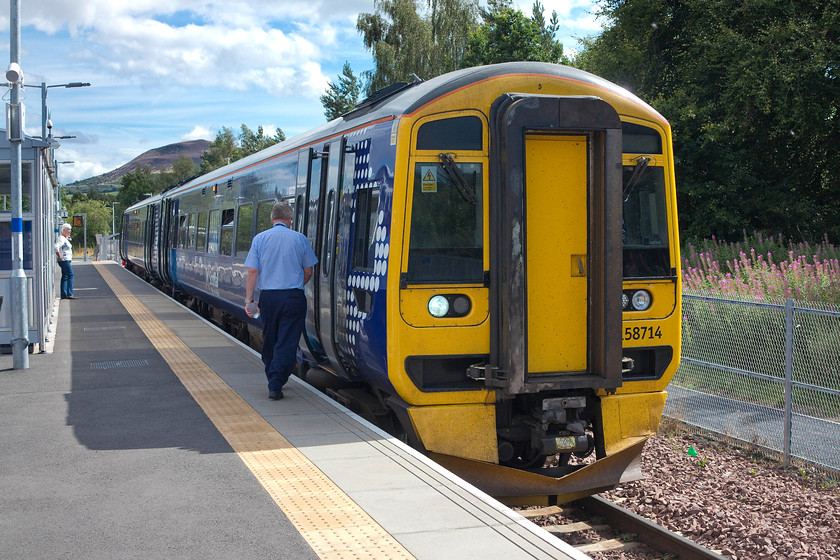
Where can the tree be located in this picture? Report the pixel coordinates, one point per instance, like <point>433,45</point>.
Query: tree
<point>251,143</point>
<point>507,35</point>
<point>97,218</point>
<point>228,147</point>
<point>341,98</point>
<point>405,42</point>
<point>135,186</point>
<point>751,89</point>
<point>221,151</point>
<point>183,168</point>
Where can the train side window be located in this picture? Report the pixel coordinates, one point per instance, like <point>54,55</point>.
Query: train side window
<point>182,231</point>
<point>364,235</point>
<point>226,235</point>
<point>213,233</point>
<point>192,224</point>
<point>243,229</point>
<point>264,215</point>
<point>456,133</point>
<point>201,234</point>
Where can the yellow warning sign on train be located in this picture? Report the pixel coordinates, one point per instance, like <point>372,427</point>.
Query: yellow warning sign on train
<point>429,182</point>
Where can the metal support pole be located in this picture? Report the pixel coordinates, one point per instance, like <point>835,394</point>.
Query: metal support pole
<point>20,304</point>
<point>788,418</point>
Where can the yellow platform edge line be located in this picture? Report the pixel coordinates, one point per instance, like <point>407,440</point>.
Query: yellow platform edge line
<point>332,523</point>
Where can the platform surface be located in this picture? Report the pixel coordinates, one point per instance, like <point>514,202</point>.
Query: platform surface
<point>147,433</point>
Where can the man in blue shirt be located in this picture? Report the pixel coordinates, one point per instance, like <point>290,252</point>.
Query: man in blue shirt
<point>280,263</point>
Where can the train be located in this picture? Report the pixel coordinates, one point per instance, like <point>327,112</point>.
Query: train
<point>499,276</point>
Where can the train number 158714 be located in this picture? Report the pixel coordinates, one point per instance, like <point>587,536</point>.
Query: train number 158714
<point>642,333</point>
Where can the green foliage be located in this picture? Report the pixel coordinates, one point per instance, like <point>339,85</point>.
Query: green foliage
<point>228,147</point>
<point>221,151</point>
<point>136,186</point>
<point>751,89</point>
<point>404,42</point>
<point>341,98</point>
<point>508,35</point>
<point>98,217</point>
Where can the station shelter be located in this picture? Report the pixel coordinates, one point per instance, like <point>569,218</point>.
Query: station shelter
<point>39,214</point>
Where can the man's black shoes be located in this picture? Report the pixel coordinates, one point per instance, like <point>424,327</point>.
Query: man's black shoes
<point>275,395</point>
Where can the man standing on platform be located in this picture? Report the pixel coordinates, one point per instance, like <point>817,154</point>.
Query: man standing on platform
<point>280,263</point>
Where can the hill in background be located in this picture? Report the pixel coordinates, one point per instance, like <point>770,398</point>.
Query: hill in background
<point>158,160</point>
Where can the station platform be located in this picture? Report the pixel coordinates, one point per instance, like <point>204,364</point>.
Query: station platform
<point>145,432</point>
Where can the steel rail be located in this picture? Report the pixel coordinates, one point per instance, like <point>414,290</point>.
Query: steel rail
<point>648,532</point>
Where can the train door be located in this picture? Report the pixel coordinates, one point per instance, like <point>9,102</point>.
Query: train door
<point>311,165</point>
<point>329,297</point>
<point>555,250</point>
<point>151,241</point>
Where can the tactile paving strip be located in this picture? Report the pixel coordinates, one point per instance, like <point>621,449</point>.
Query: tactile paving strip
<point>333,525</point>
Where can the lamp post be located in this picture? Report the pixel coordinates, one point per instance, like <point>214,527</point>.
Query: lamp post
<point>113,218</point>
<point>44,114</point>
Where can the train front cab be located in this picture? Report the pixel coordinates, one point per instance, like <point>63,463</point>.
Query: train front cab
<point>515,338</point>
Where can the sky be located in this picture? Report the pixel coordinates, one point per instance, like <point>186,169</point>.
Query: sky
<point>167,71</point>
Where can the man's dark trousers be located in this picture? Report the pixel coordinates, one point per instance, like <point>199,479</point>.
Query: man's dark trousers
<point>283,314</point>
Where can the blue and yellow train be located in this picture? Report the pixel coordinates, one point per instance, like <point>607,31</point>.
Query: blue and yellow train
<point>499,276</point>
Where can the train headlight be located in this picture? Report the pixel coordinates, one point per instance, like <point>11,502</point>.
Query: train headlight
<point>438,306</point>
<point>625,300</point>
<point>641,300</point>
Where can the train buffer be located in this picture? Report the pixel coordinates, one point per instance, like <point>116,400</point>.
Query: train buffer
<point>147,432</point>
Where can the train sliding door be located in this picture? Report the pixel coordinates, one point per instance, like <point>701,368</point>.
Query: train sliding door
<point>330,296</point>
<point>555,243</point>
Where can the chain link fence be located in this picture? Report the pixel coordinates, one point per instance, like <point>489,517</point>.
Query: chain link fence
<point>764,373</point>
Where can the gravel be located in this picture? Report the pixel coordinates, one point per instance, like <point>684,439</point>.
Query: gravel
<point>733,501</point>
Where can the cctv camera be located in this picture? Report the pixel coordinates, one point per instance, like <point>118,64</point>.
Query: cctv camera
<point>14,74</point>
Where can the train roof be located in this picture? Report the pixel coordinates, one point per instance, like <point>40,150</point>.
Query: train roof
<point>405,98</point>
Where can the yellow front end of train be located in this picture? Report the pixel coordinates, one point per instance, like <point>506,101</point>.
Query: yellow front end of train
<point>536,309</point>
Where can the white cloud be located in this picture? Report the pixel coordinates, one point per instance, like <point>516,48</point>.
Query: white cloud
<point>198,133</point>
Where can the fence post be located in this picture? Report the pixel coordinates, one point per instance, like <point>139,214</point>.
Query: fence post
<point>788,418</point>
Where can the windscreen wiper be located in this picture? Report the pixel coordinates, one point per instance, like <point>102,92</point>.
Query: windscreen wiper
<point>638,172</point>
<point>454,173</point>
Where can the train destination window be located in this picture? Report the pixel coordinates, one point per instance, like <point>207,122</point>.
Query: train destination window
<point>447,235</point>
<point>645,228</point>
<point>226,236</point>
<point>201,234</point>
<point>243,229</point>
<point>638,139</point>
<point>456,133</point>
<point>364,235</point>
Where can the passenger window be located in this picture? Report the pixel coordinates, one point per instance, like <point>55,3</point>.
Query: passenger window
<point>264,215</point>
<point>182,231</point>
<point>226,236</point>
<point>243,229</point>
<point>201,234</point>
<point>457,133</point>
<point>213,233</point>
<point>364,236</point>
<point>191,227</point>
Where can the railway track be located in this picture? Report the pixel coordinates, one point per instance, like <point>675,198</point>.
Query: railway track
<point>594,525</point>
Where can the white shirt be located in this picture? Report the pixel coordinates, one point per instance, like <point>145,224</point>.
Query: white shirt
<point>63,247</point>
